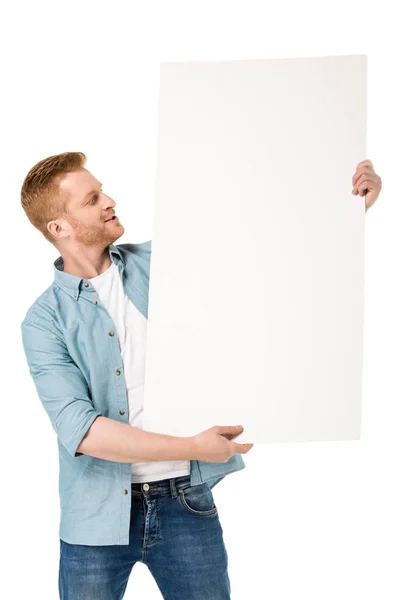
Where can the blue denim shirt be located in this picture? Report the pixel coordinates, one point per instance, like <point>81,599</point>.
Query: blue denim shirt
<point>74,358</point>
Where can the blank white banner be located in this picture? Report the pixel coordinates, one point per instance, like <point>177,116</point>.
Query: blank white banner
<point>257,272</point>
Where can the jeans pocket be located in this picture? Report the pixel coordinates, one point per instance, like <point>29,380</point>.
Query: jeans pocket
<point>198,500</point>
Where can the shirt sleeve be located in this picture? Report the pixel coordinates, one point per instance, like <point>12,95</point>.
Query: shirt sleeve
<point>141,249</point>
<point>60,384</point>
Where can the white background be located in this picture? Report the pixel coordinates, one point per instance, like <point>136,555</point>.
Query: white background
<point>304,521</point>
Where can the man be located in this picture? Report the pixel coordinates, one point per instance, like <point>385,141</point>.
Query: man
<point>126,495</point>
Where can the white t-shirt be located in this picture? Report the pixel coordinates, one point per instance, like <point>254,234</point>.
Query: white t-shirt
<point>131,327</point>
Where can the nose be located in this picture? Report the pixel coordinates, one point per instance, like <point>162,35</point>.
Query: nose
<point>108,202</point>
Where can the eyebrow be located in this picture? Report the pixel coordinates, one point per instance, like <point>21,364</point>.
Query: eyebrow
<point>90,194</point>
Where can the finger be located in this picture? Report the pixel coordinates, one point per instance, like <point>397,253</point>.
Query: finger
<point>363,177</point>
<point>229,429</point>
<point>364,187</point>
<point>367,183</point>
<point>229,436</point>
<point>365,163</point>
<point>372,181</point>
<point>237,430</point>
<point>361,171</point>
<point>242,448</point>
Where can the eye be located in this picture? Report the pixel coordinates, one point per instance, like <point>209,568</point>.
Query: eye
<point>95,198</point>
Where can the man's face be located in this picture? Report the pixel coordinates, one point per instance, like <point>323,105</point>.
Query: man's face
<point>88,208</point>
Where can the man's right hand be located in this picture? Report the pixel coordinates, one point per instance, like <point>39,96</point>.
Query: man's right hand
<point>215,444</point>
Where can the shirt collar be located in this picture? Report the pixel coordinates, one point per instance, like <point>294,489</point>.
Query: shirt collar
<point>72,284</point>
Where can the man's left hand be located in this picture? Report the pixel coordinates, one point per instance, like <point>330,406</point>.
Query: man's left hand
<point>366,183</point>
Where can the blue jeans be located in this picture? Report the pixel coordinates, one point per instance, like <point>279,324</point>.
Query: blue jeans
<point>174,530</point>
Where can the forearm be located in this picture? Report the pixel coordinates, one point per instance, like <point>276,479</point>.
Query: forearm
<point>121,442</point>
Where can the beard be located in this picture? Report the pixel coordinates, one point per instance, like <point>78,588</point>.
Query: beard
<point>95,235</point>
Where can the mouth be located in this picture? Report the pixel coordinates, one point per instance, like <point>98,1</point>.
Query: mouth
<point>113,218</point>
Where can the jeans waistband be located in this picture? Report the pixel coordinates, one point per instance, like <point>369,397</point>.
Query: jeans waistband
<point>165,487</point>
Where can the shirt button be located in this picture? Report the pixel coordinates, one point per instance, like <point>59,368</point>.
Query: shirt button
<point>124,491</point>
<point>75,295</point>
<point>86,284</point>
<point>146,487</point>
<point>110,333</point>
<point>118,372</point>
<point>94,301</point>
<point>122,412</point>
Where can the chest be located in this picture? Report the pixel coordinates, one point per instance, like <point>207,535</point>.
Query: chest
<point>107,329</point>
